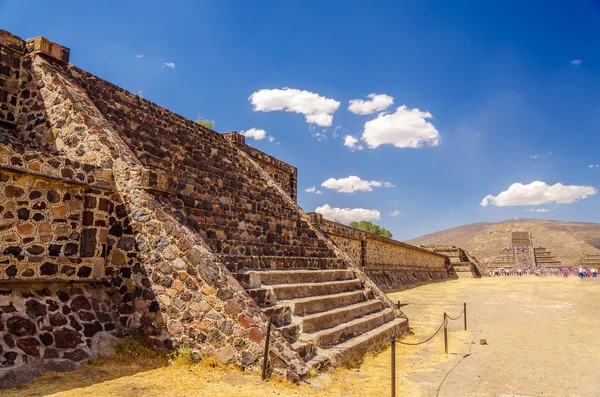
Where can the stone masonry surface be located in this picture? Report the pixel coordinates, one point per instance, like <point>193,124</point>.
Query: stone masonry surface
<point>118,216</point>
<point>388,262</point>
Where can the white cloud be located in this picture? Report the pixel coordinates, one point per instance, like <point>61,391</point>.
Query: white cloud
<point>594,166</point>
<point>351,142</point>
<point>320,137</point>
<point>313,189</point>
<point>406,128</point>
<point>347,215</point>
<point>271,139</point>
<point>395,213</point>
<point>352,184</point>
<point>255,133</point>
<point>537,210</point>
<point>537,156</point>
<point>538,193</point>
<point>576,62</point>
<point>388,184</point>
<point>170,65</point>
<point>376,103</point>
<point>317,109</point>
<point>138,56</point>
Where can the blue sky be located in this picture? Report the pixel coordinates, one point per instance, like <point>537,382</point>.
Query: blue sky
<point>512,88</point>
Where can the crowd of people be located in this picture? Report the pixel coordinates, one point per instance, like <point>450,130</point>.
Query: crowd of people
<point>542,271</point>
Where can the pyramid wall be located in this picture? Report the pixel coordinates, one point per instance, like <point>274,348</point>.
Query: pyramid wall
<point>120,218</point>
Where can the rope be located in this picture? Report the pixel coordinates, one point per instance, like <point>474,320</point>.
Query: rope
<point>459,316</point>
<point>426,340</point>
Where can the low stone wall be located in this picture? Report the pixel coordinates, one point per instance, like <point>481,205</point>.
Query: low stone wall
<point>389,263</point>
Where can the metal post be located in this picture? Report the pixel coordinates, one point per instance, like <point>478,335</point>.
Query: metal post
<point>445,334</point>
<point>266,354</point>
<point>465,310</point>
<point>398,303</point>
<point>394,366</point>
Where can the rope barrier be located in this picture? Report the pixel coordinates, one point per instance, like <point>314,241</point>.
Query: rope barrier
<point>426,340</point>
<point>456,318</point>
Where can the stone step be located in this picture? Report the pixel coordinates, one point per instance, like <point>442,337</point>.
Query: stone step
<point>241,263</point>
<point>291,331</point>
<point>254,279</point>
<point>354,349</point>
<point>257,248</point>
<point>318,361</point>
<point>262,296</point>
<point>331,318</point>
<point>302,290</point>
<point>279,314</point>
<point>335,335</point>
<point>305,350</point>
<point>322,303</point>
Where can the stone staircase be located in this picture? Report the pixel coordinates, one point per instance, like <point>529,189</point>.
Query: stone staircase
<point>545,258</point>
<point>589,261</point>
<point>328,315</point>
<point>505,259</point>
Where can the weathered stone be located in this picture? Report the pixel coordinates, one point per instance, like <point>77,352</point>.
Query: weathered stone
<point>25,229</point>
<point>161,242</point>
<point>84,272</point>
<point>23,213</point>
<point>20,326</point>
<point>50,353</point>
<point>12,191</point>
<point>36,250</point>
<point>48,269</point>
<point>66,338</point>
<point>88,243</point>
<point>53,196</point>
<point>255,335</point>
<point>90,330</point>
<point>35,308</point>
<point>225,355</point>
<point>141,215</point>
<point>248,358</point>
<point>126,243</point>
<point>76,355</point>
<point>30,346</point>
<point>47,339</point>
<point>80,303</point>
<point>57,319</point>
<point>104,345</point>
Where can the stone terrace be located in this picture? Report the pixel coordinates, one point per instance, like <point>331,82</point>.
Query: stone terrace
<point>191,237</point>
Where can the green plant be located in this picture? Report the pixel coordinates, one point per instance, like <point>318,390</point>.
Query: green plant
<point>182,356</point>
<point>205,123</point>
<point>372,228</point>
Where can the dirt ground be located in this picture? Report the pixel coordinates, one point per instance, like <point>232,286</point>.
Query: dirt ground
<point>542,340</point>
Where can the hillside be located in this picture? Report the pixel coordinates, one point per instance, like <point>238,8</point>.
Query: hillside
<point>567,240</point>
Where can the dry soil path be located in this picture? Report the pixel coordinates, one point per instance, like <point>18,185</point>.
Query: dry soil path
<point>543,336</point>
